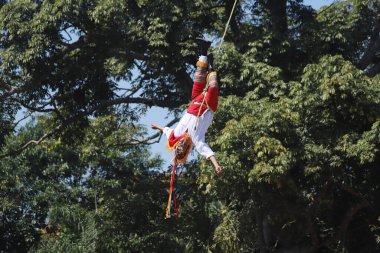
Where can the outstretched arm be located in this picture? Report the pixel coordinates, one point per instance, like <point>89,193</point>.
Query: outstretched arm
<point>217,167</point>
<point>203,149</point>
<point>155,126</point>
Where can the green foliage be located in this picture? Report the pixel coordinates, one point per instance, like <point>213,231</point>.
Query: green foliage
<point>82,236</point>
<point>305,146</point>
<point>297,129</point>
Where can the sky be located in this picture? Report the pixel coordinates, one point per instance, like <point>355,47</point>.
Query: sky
<point>158,115</point>
<point>316,4</point>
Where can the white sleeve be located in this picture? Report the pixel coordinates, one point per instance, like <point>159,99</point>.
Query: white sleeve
<point>203,149</point>
<point>167,131</point>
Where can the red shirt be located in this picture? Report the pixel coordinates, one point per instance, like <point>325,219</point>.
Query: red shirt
<point>210,102</point>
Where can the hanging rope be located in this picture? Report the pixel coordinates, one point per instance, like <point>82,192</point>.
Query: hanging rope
<point>228,23</point>
<point>171,191</point>
<point>174,189</point>
<point>219,47</point>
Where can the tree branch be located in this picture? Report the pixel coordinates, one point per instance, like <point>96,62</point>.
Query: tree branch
<point>11,91</point>
<point>132,55</point>
<point>5,86</point>
<point>327,8</point>
<point>281,231</point>
<point>136,100</point>
<point>34,109</point>
<point>80,114</point>
<point>20,120</point>
<point>352,211</point>
<point>36,142</point>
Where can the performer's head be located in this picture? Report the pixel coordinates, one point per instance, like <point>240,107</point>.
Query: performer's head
<point>183,148</point>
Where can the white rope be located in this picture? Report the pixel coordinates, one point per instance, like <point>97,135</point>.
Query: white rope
<point>228,23</point>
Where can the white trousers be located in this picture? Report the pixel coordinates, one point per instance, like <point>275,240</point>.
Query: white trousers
<point>187,122</point>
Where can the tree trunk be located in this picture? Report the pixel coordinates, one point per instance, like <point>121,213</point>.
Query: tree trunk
<point>260,231</point>
<point>372,48</point>
<point>278,17</point>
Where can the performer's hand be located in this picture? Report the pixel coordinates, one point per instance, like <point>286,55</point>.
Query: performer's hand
<point>154,126</point>
<point>219,169</point>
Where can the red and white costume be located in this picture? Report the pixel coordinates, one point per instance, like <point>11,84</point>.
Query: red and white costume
<point>205,111</point>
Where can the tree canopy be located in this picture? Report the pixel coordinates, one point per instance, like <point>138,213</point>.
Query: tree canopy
<point>297,130</point>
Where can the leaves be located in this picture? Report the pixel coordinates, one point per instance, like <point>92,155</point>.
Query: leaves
<point>296,131</point>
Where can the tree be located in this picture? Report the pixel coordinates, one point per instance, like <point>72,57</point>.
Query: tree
<point>100,193</point>
<point>297,128</point>
<point>306,153</point>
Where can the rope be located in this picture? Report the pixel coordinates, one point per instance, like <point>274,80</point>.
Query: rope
<point>219,47</point>
<point>228,23</point>
<point>171,189</point>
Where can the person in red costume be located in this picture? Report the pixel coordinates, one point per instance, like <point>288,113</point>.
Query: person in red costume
<point>198,117</point>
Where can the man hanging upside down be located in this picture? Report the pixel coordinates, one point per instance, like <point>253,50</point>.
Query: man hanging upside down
<point>199,114</point>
